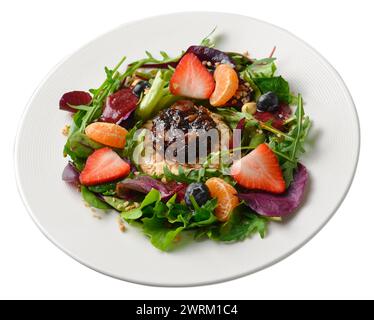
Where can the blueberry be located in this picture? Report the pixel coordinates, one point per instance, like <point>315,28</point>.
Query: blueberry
<point>199,191</point>
<point>268,102</point>
<point>140,86</point>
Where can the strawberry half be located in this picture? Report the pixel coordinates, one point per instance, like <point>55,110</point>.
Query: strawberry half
<point>259,170</point>
<point>191,79</point>
<point>104,165</point>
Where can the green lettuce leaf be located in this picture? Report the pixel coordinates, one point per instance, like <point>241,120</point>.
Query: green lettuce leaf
<point>152,197</point>
<point>242,224</point>
<point>162,234</point>
<point>277,85</point>
<point>117,203</point>
<point>91,199</point>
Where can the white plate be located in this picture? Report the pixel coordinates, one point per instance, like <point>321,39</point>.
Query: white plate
<point>60,213</point>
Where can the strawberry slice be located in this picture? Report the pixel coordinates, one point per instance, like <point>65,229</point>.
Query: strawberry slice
<point>104,165</point>
<point>191,79</point>
<point>259,170</point>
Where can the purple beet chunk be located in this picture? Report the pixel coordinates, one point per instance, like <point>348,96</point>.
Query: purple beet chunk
<point>74,98</point>
<point>70,174</point>
<point>274,205</point>
<point>119,106</point>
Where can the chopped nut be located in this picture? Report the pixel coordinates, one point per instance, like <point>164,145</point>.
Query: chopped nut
<point>130,207</point>
<point>209,64</point>
<point>246,54</point>
<point>178,238</point>
<point>121,224</point>
<point>66,130</point>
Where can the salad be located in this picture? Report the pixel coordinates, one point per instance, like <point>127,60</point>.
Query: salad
<point>205,145</point>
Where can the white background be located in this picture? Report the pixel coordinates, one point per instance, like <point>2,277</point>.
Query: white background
<point>337,263</point>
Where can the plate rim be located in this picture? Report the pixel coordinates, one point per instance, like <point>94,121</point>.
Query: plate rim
<point>199,283</point>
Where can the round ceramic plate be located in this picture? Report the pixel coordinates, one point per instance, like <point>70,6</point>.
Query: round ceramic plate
<point>97,243</point>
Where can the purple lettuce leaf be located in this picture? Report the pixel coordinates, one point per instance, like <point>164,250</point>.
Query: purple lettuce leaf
<point>71,174</point>
<point>274,205</point>
<point>210,54</point>
<point>144,184</point>
<point>203,53</point>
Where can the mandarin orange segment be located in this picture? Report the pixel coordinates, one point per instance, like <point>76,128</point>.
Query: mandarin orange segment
<point>108,134</point>
<point>227,83</point>
<point>226,196</point>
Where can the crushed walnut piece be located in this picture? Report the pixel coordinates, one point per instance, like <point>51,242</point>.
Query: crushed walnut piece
<point>121,224</point>
<point>246,54</point>
<point>66,130</point>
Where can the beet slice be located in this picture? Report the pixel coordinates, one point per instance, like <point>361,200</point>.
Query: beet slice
<point>74,98</point>
<point>119,106</point>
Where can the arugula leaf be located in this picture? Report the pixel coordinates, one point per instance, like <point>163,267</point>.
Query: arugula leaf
<point>131,141</point>
<point>207,41</point>
<point>110,85</point>
<point>232,117</point>
<point>91,199</point>
<point>290,147</point>
<point>240,61</point>
<point>298,132</point>
<point>264,68</point>
<point>183,176</point>
<point>256,140</point>
<point>275,84</point>
<point>78,117</point>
